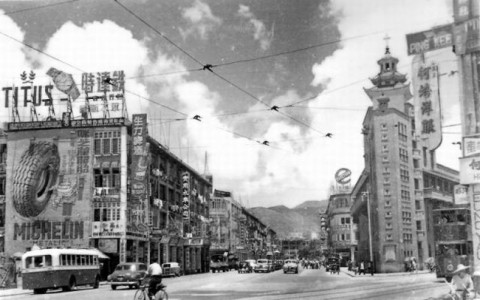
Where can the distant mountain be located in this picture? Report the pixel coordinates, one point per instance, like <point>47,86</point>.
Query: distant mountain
<point>302,220</point>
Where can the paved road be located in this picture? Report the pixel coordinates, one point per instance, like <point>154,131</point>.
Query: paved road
<point>308,284</point>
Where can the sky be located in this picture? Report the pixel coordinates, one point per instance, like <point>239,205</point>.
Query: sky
<point>317,55</point>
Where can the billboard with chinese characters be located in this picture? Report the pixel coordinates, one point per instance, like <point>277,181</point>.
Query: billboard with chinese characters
<point>470,170</point>
<point>90,95</point>
<point>460,194</point>
<point>427,102</point>
<point>49,186</point>
<point>467,36</point>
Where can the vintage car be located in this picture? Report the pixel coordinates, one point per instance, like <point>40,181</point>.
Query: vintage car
<point>333,265</point>
<point>171,269</point>
<point>264,265</point>
<point>130,274</point>
<point>290,266</point>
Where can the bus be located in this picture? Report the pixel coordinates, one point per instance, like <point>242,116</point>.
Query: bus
<point>452,234</point>
<point>60,268</point>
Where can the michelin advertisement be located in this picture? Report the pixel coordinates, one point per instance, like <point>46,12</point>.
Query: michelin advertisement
<point>50,188</point>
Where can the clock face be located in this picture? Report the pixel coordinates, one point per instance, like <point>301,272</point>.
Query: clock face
<point>63,82</point>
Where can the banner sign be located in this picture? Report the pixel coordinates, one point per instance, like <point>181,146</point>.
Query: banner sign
<point>219,193</point>
<point>460,194</point>
<point>139,156</point>
<point>186,195</point>
<point>429,40</point>
<point>469,170</point>
<point>427,102</point>
<point>65,123</point>
<point>107,229</point>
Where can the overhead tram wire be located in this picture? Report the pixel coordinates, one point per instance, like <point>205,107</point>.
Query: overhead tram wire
<point>36,7</point>
<point>208,67</point>
<point>159,33</point>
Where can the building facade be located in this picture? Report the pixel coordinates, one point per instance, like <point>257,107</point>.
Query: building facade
<point>340,228</point>
<point>388,173</point>
<point>104,183</point>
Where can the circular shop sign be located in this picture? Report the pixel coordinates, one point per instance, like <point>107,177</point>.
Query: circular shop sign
<point>342,176</point>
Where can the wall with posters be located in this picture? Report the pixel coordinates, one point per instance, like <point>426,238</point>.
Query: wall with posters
<point>49,187</point>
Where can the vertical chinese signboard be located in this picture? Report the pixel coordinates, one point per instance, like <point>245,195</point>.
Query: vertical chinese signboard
<point>427,102</point>
<point>139,157</point>
<point>186,195</point>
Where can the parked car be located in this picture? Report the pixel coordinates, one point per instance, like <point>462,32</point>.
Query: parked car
<point>171,269</point>
<point>290,266</point>
<point>278,264</point>
<point>264,265</point>
<point>130,274</point>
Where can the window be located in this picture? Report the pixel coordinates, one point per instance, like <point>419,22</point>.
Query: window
<point>384,137</point>
<point>107,142</point>
<point>106,211</point>
<point>402,132</point>
<point>419,225</point>
<point>403,153</point>
<point>388,214</point>
<point>389,237</point>
<point>418,205</point>
<point>384,126</point>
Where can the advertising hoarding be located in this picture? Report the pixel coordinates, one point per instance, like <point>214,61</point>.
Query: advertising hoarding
<point>460,194</point>
<point>48,188</point>
<point>469,170</point>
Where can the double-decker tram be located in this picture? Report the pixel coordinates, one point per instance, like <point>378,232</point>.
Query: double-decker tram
<point>453,240</point>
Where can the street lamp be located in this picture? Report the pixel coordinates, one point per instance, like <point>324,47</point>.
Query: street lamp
<point>367,195</point>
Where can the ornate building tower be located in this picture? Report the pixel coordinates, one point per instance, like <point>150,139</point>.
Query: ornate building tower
<point>388,175</point>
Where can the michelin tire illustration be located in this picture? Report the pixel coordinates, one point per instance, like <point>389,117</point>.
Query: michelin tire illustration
<point>34,177</point>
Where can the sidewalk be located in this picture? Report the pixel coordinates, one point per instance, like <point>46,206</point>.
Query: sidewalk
<point>19,291</point>
<point>352,274</point>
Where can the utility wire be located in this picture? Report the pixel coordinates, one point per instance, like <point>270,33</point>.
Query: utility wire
<point>40,51</point>
<point>208,67</point>
<point>294,50</point>
<point>166,73</point>
<point>36,7</point>
<point>159,33</point>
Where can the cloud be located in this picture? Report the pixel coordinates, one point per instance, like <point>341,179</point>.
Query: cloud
<point>260,32</point>
<point>201,20</point>
<point>345,73</point>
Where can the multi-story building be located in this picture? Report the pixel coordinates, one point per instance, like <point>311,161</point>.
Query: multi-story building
<point>226,223</point>
<point>388,167</point>
<point>339,227</point>
<point>393,199</point>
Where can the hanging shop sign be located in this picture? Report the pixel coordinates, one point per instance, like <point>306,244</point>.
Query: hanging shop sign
<point>427,102</point>
<point>471,146</point>
<point>108,245</point>
<point>460,194</point>
<point>462,10</point>
<point>429,40</point>
<point>186,195</point>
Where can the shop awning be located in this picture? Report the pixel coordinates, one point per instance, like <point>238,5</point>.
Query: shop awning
<point>101,255</point>
<point>165,239</point>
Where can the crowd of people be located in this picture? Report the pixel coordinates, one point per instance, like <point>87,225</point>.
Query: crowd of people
<point>362,267</point>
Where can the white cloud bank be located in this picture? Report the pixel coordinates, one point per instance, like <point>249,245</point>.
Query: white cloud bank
<point>201,20</point>
<point>260,32</point>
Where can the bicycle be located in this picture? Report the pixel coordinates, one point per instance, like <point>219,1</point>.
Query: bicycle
<point>143,294</point>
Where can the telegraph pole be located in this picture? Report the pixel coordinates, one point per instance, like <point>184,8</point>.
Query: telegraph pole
<point>367,195</point>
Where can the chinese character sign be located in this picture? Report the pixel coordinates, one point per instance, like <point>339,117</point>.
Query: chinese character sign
<point>427,102</point>
<point>139,156</point>
<point>186,195</point>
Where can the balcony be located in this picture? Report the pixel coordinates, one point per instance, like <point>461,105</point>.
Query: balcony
<point>106,191</point>
<point>432,193</point>
<point>417,173</point>
<point>417,154</point>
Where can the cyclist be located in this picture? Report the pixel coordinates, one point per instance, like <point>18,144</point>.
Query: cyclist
<point>155,273</point>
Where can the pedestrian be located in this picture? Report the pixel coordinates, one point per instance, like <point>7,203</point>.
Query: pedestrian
<point>370,267</point>
<point>414,265</point>
<point>349,264</point>
<point>462,284</point>
<point>362,268</point>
